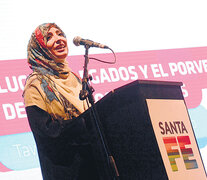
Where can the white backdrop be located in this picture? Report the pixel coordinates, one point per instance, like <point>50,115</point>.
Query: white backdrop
<point>132,25</point>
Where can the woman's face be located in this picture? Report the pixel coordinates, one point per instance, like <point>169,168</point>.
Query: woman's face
<point>57,44</point>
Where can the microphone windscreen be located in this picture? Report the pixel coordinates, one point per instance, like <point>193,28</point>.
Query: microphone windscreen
<point>77,40</point>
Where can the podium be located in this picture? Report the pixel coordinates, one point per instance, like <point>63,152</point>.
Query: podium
<point>148,132</point>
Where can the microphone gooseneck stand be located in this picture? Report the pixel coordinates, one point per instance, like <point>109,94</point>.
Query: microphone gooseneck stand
<point>87,93</point>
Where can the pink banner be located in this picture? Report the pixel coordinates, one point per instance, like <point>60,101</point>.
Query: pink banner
<point>185,65</point>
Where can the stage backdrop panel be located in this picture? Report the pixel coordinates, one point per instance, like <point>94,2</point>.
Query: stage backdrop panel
<point>188,65</point>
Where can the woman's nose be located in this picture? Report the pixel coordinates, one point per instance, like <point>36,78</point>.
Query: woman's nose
<point>59,40</point>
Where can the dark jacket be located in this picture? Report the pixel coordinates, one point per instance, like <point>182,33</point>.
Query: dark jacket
<point>63,147</point>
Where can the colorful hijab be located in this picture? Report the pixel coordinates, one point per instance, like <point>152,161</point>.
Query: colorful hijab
<point>40,58</point>
<point>52,86</point>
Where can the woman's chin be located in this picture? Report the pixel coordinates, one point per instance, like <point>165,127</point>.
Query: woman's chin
<point>60,58</point>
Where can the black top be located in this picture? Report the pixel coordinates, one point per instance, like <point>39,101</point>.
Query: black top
<point>63,147</point>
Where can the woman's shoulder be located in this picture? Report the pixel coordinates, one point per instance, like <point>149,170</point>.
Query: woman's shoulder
<point>32,85</point>
<point>32,80</point>
<point>33,94</point>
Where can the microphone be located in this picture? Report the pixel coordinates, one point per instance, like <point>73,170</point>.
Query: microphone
<point>80,41</point>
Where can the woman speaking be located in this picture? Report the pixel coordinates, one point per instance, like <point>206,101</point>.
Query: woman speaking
<point>51,97</point>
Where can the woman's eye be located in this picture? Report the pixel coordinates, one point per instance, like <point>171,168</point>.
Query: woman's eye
<point>48,38</point>
<point>60,34</point>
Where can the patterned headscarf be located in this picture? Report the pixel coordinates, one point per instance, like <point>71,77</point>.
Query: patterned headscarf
<point>52,86</point>
<point>39,56</point>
